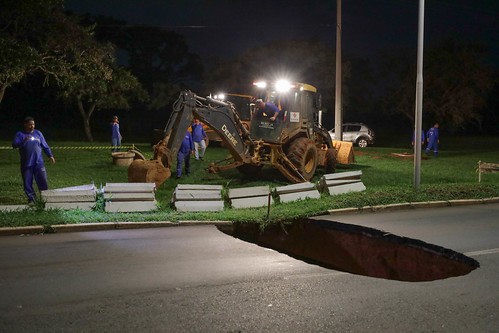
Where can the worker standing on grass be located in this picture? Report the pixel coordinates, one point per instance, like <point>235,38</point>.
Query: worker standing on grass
<point>30,143</point>
<point>184,155</point>
<point>198,136</point>
<point>433,140</point>
<point>116,135</point>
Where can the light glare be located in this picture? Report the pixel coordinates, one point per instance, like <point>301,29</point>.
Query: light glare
<point>260,84</point>
<point>283,85</point>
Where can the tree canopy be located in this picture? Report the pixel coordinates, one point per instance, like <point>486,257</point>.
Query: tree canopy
<point>457,83</point>
<point>25,40</point>
<point>98,63</point>
<point>38,37</point>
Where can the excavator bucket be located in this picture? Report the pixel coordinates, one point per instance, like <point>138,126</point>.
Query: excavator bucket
<point>148,171</point>
<point>345,153</point>
<point>151,171</point>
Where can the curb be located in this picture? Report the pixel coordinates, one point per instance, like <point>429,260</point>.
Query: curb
<point>414,205</point>
<point>81,227</point>
<point>17,231</point>
<point>13,231</point>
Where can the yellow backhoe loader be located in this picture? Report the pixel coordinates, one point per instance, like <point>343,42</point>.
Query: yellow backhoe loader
<point>294,142</point>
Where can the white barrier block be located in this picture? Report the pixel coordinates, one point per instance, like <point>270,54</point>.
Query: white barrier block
<point>294,196</point>
<point>125,196</point>
<point>340,189</point>
<point>82,193</point>
<point>251,202</point>
<point>196,195</point>
<point>324,184</point>
<point>87,187</point>
<point>69,197</point>
<point>199,206</point>
<point>87,206</point>
<point>129,187</point>
<point>244,192</point>
<point>300,187</point>
<point>343,175</point>
<point>130,206</point>
<point>198,187</point>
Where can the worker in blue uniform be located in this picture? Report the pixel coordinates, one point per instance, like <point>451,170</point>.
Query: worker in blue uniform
<point>115,135</point>
<point>31,143</point>
<point>433,140</point>
<point>198,136</point>
<point>184,154</point>
<point>414,138</point>
<point>266,110</point>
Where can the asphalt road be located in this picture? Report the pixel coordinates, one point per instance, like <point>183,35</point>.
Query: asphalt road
<point>198,279</point>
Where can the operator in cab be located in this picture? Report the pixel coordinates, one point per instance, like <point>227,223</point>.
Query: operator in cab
<point>266,110</point>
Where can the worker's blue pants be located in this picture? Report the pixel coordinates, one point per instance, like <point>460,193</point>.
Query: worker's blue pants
<point>39,174</point>
<point>183,158</point>
<point>116,144</point>
<point>432,145</point>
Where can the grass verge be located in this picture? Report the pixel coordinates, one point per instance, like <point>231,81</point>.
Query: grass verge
<point>389,179</point>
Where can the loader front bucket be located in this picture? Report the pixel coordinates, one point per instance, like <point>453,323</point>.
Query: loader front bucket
<point>148,171</point>
<point>345,153</point>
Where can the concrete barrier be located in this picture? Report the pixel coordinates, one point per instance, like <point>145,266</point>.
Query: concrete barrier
<point>67,198</point>
<point>198,198</point>
<point>250,197</point>
<point>297,192</point>
<point>130,197</point>
<point>342,182</point>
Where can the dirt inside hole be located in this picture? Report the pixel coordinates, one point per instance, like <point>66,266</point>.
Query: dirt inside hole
<point>358,250</point>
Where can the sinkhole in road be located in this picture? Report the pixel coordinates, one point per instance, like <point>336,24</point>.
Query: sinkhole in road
<point>358,250</point>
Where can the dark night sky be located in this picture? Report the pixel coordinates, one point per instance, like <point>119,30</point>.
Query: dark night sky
<point>228,27</point>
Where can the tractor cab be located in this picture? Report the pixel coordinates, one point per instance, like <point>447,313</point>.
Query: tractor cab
<point>297,104</point>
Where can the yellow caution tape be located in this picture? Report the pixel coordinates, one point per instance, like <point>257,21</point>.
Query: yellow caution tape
<point>92,147</point>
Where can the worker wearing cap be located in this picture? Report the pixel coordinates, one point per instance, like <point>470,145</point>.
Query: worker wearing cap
<point>31,143</point>
<point>266,110</point>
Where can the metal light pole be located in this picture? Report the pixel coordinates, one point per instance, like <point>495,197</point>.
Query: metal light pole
<point>419,99</point>
<point>338,112</point>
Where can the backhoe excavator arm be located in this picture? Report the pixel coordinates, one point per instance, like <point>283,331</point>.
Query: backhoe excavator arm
<point>221,117</point>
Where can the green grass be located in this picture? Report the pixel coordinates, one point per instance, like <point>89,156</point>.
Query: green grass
<point>388,180</point>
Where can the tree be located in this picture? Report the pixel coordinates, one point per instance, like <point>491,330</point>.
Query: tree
<point>459,82</point>
<point>159,58</point>
<point>38,37</point>
<point>90,77</point>
<point>456,83</point>
<point>24,40</point>
<point>17,59</point>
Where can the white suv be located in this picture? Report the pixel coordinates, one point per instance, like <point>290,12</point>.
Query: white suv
<point>358,133</point>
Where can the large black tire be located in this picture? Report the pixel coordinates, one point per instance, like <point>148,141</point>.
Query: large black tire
<point>330,162</point>
<point>302,153</point>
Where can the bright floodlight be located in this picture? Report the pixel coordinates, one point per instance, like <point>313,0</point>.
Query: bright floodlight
<point>260,84</point>
<point>283,85</point>
<point>220,97</point>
